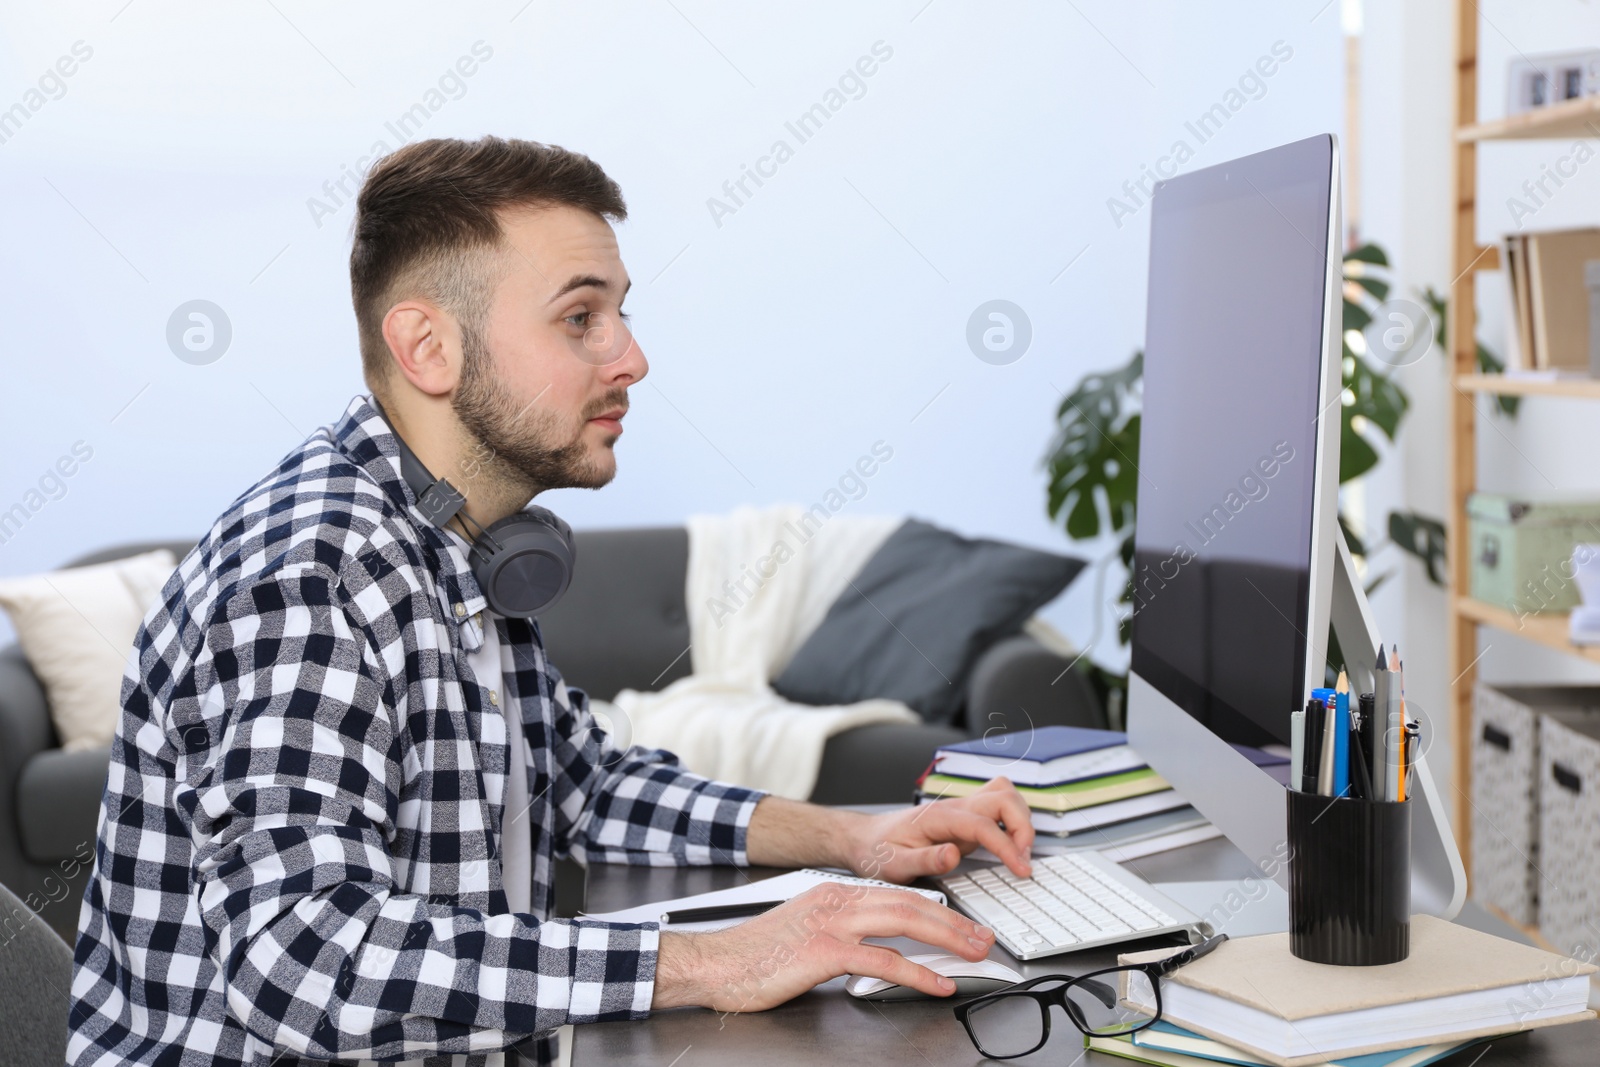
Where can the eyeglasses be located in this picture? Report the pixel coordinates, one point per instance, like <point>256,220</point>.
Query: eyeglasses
<point>1015,1021</point>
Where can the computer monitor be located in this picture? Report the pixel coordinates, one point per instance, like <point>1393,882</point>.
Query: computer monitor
<point>1239,562</point>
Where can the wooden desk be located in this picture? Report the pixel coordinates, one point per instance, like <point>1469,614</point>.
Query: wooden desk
<point>827,1026</point>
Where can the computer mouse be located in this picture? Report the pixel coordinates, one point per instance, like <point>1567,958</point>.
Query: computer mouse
<point>971,978</point>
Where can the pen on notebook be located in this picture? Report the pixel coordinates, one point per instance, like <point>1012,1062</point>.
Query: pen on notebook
<point>1297,746</point>
<point>717,913</point>
<point>1341,736</point>
<point>1315,713</point>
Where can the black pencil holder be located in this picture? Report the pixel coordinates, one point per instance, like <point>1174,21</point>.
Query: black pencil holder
<point>1349,879</point>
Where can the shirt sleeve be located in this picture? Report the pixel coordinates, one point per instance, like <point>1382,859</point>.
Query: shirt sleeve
<point>636,805</point>
<point>292,818</point>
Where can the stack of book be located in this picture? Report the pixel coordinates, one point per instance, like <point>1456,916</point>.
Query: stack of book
<point>1084,784</point>
<point>1172,1046</point>
<point>1252,1002</point>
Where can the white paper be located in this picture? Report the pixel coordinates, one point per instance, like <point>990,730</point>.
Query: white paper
<point>782,887</point>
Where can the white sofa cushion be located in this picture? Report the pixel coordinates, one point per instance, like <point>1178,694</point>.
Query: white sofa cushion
<point>76,626</point>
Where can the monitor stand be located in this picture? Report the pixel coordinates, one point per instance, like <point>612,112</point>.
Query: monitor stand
<point>1260,904</point>
<point>1240,908</point>
<point>1438,879</point>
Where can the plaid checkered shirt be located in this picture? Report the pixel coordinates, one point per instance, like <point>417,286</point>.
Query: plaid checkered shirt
<point>299,849</point>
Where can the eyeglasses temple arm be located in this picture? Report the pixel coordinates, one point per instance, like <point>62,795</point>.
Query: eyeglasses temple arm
<point>1189,955</point>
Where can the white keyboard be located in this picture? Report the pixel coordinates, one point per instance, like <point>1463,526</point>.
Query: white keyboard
<point>1073,901</point>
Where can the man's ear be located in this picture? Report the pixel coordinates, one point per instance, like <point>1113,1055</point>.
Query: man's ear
<point>425,346</point>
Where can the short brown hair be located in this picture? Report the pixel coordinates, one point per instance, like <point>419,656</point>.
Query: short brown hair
<point>426,224</point>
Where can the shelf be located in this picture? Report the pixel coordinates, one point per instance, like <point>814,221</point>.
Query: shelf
<point>1549,629</point>
<point>1499,383</point>
<point>1570,118</point>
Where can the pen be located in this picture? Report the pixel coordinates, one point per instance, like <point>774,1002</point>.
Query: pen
<point>1330,748</point>
<point>1362,777</point>
<point>719,912</point>
<point>1315,713</point>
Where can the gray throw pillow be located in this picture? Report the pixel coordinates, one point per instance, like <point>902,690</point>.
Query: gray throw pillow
<point>916,618</point>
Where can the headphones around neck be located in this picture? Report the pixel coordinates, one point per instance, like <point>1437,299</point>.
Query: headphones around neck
<point>523,562</point>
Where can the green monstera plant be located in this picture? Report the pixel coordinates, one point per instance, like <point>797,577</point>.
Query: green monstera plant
<point>1091,461</point>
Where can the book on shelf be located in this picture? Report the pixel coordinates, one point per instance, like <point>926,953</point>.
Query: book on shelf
<point>1172,1046</point>
<point>1550,300</point>
<point>1456,985</point>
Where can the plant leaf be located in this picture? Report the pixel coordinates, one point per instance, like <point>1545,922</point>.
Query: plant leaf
<point>1422,537</point>
<point>1367,253</point>
<point>1356,457</point>
<point>1093,477</point>
<point>1376,286</point>
<point>1355,316</point>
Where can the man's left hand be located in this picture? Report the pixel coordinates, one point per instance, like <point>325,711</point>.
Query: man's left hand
<point>901,846</point>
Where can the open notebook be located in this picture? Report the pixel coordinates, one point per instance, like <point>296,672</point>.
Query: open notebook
<point>781,887</point>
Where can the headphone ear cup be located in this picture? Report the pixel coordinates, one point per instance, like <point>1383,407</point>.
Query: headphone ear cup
<point>524,562</point>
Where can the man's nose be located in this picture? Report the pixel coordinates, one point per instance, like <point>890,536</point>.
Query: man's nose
<point>631,366</point>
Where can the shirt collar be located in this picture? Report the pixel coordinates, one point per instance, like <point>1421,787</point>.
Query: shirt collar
<point>366,438</point>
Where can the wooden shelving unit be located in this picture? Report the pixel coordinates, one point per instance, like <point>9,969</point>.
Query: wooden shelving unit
<point>1511,385</point>
<point>1568,119</point>
<point>1549,630</point>
<point>1572,119</point>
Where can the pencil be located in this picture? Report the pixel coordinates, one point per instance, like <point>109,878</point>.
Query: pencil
<point>1394,728</point>
<point>1377,748</point>
<point>1341,735</point>
<point>1405,754</point>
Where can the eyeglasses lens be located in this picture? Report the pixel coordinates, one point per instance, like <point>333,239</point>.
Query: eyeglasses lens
<point>1099,1010</point>
<point>1007,1026</point>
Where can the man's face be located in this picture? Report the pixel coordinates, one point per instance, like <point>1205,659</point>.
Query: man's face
<point>544,392</point>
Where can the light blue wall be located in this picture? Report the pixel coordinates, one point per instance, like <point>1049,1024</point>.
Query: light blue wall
<point>821,316</point>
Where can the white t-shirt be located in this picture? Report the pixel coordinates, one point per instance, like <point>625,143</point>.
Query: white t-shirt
<point>516,835</point>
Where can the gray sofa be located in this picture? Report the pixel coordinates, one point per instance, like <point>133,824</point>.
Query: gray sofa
<point>623,624</point>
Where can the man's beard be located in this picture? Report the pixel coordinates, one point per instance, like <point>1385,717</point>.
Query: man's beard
<point>516,435</point>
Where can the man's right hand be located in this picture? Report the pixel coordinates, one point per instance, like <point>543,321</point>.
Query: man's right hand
<point>818,935</point>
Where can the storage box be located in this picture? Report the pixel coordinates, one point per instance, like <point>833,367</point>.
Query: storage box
<point>1569,827</point>
<point>1505,806</point>
<point>1506,788</point>
<point>1522,549</point>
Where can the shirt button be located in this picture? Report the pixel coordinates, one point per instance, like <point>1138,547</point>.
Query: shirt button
<point>461,611</point>
<point>494,698</point>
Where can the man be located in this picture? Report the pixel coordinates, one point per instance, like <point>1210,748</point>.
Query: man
<point>339,782</point>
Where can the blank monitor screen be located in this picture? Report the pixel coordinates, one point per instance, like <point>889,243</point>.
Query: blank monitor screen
<point>1227,450</point>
